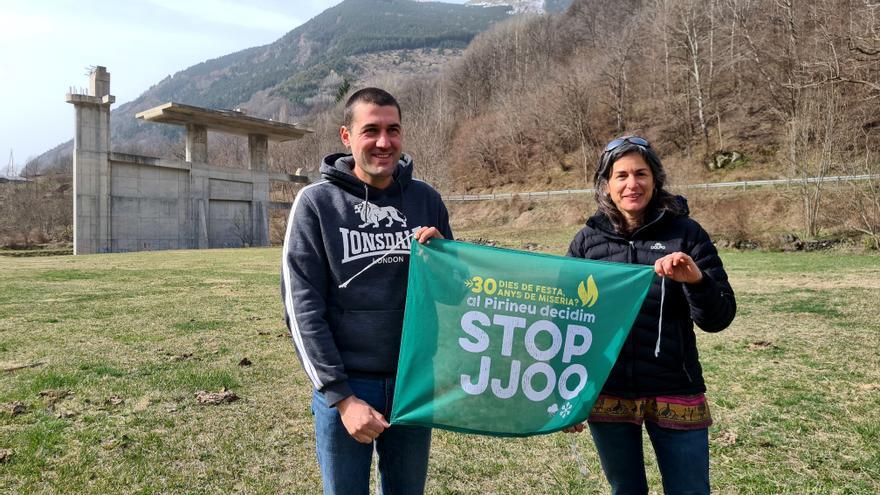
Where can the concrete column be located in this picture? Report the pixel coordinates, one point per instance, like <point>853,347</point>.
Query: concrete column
<point>202,225</point>
<point>200,198</point>
<point>196,143</point>
<point>258,147</point>
<point>99,82</point>
<point>264,223</point>
<point>91,165</point>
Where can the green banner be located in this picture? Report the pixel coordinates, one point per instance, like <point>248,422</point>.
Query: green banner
<point>509,343</point>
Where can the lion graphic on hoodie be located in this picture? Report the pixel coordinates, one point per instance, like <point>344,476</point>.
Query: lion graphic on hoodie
<point>372,215</point>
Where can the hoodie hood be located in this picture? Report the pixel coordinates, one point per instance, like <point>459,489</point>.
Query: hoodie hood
<point>338,169</point>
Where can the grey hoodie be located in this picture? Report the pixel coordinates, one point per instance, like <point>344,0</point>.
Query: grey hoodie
<point>338,226</point>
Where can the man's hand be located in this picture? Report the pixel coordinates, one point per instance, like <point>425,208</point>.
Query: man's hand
<point>425,234</point>
<point>679,267</point>
<point>361,421</point>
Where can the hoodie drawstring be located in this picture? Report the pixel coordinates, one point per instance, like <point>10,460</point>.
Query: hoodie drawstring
<point>366,202</point>
<point>390,250</point>
<point>660,325</point>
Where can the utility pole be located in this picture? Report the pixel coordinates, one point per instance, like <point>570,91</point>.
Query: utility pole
<point>10,169</point>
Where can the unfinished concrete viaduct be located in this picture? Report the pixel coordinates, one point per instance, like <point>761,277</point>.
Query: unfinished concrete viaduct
<point>125,202</point>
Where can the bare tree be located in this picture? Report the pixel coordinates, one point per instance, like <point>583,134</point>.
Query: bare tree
<point>574,114</point>
<point>427,129</point>
<point>227,150</point>
<point>693,28</point>
<point>242,229</point>
<point>863,196</point>
<point>813,141</point>
<point>305,154</point>
<point>618,49</point>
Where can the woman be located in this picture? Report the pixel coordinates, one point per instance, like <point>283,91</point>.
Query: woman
<point>657,379</point>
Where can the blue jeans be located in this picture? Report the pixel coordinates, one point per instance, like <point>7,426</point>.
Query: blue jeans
<point>345,462</point>
<point>682,455</point>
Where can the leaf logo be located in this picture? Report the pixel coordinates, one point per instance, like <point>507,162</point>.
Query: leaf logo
<point>589,294</point>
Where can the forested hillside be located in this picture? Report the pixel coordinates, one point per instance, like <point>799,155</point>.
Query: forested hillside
<point>725,89</point>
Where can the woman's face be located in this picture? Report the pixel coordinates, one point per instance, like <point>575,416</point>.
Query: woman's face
<point>631,186</point>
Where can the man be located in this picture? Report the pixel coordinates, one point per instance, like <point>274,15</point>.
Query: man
<point>345,319</point>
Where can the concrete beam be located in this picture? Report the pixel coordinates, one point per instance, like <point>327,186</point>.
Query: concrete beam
<point>215,171</point>
<point>226,121</point>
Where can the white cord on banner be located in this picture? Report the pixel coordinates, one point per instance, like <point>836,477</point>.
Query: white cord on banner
<point>376,458</point>
<point>660,325</point>
<point>392,248</point>
<point>582,466</point>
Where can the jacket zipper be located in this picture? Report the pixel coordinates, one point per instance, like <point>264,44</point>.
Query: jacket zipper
<point>630,365</point>
<point>683,357</point>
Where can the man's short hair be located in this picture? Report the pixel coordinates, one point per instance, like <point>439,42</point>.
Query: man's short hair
<point>375,96</point>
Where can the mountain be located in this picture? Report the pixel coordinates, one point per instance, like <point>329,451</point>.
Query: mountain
<point>306,68</point>
<point>525,6</point>
<point>556,6</point>
<point>518,6</point>
<point>291,66</point>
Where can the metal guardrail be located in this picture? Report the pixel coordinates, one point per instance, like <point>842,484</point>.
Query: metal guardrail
<point>710,185</point>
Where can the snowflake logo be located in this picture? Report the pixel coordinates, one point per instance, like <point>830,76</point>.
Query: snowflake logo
<point>566,409</point>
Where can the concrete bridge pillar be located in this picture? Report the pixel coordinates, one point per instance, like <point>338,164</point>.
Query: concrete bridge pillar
<point>91,165</point>
<point>196,143</point>
<point>258,148</point>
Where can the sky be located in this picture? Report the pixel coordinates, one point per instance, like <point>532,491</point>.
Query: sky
<point>47,46</point>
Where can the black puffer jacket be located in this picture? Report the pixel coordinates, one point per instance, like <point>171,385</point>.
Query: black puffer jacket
<point>710,304</point>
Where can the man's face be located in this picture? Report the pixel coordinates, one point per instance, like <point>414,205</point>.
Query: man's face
<point>375,138</point>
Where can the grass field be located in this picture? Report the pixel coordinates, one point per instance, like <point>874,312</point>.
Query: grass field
<point>118,345</point>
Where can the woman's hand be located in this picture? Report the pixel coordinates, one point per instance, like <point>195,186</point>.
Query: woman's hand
<point>575,428</point>
<point>679,267</point>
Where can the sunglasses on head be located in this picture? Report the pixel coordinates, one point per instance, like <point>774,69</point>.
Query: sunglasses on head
<point>613,145</point>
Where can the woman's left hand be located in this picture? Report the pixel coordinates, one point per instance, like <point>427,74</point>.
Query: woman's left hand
<point>577,428</point>
<point>679,267</point>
